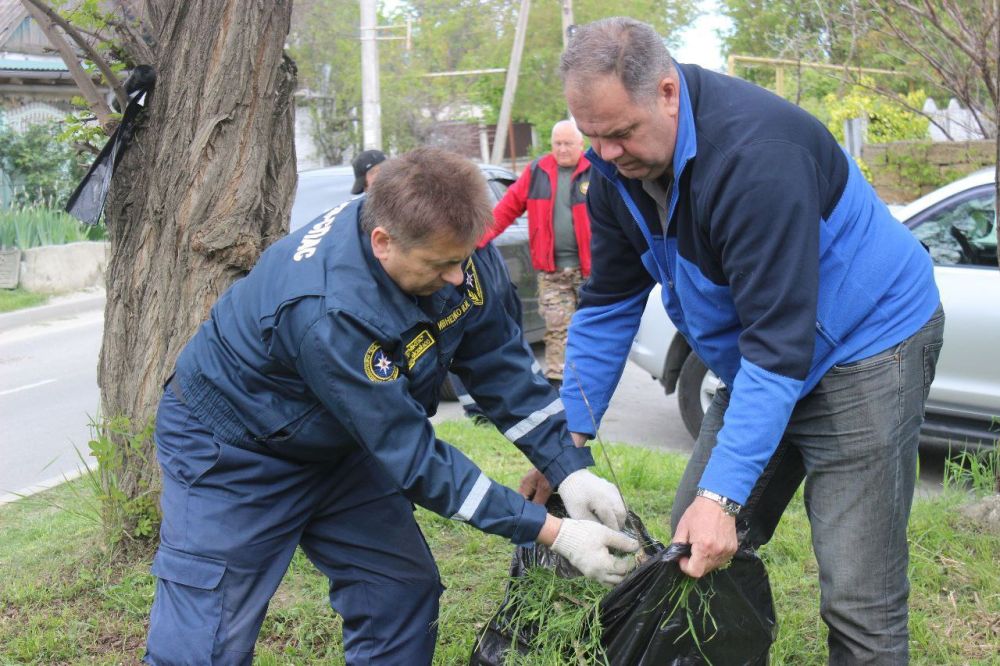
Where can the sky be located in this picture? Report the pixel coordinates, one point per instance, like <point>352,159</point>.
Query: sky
<point>699,44</point>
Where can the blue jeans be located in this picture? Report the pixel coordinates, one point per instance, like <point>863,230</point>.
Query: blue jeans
<point>854,440</point>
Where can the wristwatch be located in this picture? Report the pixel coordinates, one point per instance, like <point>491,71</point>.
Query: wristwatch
<point>730,507</point>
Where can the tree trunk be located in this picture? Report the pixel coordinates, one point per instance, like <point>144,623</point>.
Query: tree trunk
<point>204,187</point>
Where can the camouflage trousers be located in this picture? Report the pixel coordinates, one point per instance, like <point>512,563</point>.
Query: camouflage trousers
<point>557,296</point>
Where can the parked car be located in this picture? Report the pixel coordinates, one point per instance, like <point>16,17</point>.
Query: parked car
<point>957,223</point>
<point>319,190</point>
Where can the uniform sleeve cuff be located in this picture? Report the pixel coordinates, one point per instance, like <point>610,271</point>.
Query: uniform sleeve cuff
<point>570,460</point>
<point>529,524</point>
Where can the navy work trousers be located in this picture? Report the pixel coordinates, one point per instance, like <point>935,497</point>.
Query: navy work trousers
<point>232,517</point>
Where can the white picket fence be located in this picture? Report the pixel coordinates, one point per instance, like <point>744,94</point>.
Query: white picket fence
<point>960,124</point>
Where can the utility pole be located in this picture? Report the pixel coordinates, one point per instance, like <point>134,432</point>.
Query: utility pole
<point>567,28</point>
<point>510,86</point>
<point>371,106</point>
<point>567,21</point>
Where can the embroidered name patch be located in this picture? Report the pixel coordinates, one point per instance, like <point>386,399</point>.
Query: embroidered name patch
<point>473,296</point>
<point>455,315</point>
<point>378,366</point>
<point>418,346</point>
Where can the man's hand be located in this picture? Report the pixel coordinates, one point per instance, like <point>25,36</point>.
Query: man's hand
<point>588,545</point>
<point>535,487</point>
<point>712,535</point>
<point>589,497</point>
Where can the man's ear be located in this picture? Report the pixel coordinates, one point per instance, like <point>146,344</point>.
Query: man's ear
<point>381,240</point>
<point>670,94</point>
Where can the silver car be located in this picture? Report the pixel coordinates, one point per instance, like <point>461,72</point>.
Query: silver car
<point>957,223</point>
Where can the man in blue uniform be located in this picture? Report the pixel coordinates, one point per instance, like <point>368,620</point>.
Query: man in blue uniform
<point>298,416</point>
<point>793,283</point>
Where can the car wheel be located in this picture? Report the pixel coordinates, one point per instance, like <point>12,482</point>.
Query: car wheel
<point>696,386</point>
<point>447,392</point>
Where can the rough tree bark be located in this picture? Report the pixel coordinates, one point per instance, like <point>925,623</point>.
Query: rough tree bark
<point>205,186</point>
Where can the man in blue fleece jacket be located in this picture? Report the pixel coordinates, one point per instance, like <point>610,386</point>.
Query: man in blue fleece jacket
<point>793,283</point>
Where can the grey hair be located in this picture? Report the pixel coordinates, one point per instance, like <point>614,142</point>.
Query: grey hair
<point>568,123</point>
<point>629,49</point>
<point>427,193</point>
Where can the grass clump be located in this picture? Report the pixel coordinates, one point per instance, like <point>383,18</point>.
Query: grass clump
<point>31,226</point>
<point>18,299</point>
<point>560,615</point>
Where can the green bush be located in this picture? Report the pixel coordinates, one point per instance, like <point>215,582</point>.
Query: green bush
<point>40,166</point>
<point>887,120</point>
<point>33,226</point>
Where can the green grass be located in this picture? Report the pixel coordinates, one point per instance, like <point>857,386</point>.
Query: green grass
<point>18,299</point>
<point>62,601</point>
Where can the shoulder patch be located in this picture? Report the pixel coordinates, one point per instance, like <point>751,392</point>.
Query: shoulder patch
<point>472,286</point>
<point>474,295</point>
<point>378,366</point>
<point>418,346</point>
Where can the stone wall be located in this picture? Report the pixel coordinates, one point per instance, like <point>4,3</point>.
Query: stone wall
<point>905,170</point>
<point>55,269</point>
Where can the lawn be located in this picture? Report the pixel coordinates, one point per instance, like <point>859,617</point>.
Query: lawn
<point>61,601</point>
<point>17,299</point>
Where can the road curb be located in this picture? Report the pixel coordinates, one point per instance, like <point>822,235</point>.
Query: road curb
<point>59,310</point>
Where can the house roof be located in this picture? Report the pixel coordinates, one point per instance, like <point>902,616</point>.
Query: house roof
<point>31,64</point>
<point>12,15</point>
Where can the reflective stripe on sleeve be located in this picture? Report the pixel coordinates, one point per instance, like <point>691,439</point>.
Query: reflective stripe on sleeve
<point>533,421</point>
<point>474,499</point>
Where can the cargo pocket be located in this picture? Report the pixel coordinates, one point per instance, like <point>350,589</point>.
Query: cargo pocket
<point>187,610</point>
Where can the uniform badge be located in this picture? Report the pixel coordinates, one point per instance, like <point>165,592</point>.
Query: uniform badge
<point>378,366</point>
<point>472,286</point>
<point>418,346</point>
<point>583,187</point>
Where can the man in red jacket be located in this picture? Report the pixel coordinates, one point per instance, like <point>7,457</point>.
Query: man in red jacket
<point>553,189</point>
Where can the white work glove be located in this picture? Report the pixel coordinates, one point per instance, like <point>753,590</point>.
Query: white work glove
<point>589,497</point>
<point>586,545</point>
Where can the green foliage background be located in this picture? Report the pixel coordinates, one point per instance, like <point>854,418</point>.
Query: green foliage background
<point>447,35</point>
<point>41,167</point>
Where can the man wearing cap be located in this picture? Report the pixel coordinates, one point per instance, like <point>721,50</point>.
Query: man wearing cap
<point>366,166</point>
<point>298,416</point>
<point>553,189</point>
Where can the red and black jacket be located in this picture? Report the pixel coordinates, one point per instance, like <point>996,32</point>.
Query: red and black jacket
<point>535,191</point>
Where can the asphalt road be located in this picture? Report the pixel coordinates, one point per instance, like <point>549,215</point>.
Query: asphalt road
<point>48,394</point>
<point>639,413</point>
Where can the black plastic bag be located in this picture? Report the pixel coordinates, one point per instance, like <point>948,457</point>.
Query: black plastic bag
<point>87,201</point>
<point>729,619</point>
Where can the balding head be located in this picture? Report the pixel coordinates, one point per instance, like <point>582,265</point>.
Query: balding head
<point>618,46</point>
<point>567,143</point>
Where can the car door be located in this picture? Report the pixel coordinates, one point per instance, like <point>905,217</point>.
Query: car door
<point>960,233</point>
